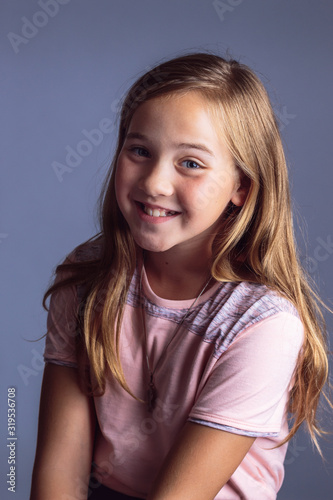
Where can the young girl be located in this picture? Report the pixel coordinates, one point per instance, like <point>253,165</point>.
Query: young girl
<point>182,334</point>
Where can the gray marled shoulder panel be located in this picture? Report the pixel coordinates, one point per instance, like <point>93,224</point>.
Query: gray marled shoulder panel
<point>218,320</point>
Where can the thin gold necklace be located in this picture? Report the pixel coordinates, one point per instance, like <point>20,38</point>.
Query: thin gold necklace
<point>152,392</point>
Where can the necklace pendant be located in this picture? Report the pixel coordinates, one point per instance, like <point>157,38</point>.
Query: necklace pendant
<point>152,392</point>
<point>152,395</point>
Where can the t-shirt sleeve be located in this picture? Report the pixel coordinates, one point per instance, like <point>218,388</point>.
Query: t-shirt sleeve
<point>60,344</point>
<point>247,391</point>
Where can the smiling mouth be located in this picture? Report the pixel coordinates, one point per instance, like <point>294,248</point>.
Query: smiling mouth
<point>157,212</point>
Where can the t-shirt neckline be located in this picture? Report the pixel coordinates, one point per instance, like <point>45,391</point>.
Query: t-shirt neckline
<point>174,304</point>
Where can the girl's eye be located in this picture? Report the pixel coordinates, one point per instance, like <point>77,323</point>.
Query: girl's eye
<point>139,151</point>
<point>191,164</point>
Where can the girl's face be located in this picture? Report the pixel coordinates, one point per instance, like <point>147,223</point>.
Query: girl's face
<point>175,175</point>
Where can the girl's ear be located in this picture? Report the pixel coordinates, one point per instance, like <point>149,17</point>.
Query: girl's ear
<point>241,189</point>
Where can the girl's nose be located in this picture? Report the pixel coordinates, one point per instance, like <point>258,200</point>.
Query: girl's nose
<point>157,181</point>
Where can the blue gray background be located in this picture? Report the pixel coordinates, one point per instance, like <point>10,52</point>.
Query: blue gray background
<point>65,73</point>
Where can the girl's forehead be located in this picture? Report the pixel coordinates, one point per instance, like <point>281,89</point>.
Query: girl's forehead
<point>190,107</point>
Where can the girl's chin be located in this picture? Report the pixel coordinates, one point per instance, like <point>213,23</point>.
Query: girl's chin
<point>152,246</point>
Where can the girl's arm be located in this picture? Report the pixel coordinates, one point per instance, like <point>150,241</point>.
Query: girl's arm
<point>199,464</point>
<point>66,432</point>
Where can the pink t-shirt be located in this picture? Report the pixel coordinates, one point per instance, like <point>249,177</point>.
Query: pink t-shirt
<point>230,366</point>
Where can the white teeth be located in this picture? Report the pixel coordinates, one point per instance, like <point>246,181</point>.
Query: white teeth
<point>156,212</point>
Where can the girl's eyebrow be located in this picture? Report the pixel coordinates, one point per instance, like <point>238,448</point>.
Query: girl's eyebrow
<point>183,145</point>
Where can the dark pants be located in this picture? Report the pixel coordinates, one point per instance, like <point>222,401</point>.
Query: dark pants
<point>103,493</point>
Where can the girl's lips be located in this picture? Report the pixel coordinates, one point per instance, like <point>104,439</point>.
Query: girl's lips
<point>154,214</point>
<point>149,206</point>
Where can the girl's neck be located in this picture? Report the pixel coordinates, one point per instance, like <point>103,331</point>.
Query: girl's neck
<point>175,278</point>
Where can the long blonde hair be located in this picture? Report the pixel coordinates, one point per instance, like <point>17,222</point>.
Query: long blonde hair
<point>256,242</point>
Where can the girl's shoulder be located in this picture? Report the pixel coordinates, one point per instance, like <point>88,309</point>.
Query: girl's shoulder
<point>252,299</point>
<point>243,304</point>
<point>236,307</point>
